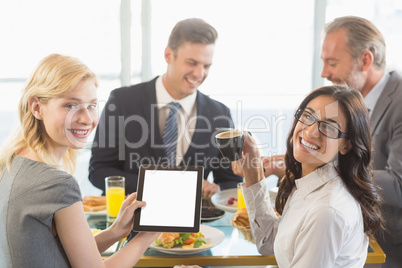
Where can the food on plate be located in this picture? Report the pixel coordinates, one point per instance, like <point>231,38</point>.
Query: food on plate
<point>240,221</point>
<point>185,240</point>
<point>96,231</point>
<point>232,201</point>
<point>94,203</point>
<point>166,240</point>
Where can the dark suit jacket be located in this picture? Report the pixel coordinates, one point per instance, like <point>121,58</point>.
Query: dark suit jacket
<point>128,135</point>
<point>386,129</point>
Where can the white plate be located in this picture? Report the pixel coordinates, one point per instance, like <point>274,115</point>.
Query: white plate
<point>96,213</point>
<point>220,199</point>
<point>211,235</point>
<point>211,214</point>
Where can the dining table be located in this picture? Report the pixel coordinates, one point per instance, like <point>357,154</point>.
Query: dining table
<point>233,250</point>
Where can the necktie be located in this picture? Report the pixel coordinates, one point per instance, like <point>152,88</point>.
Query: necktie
<point>170,134</point>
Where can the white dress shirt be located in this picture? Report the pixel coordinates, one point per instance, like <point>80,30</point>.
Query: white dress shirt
<point>186,117</point>
<point>321,224</point>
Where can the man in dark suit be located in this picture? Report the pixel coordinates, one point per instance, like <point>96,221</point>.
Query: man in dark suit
<point>353,53</point>
<point>131,128</point>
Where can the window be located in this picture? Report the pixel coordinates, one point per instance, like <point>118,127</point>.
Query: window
<point>262,62</point>
<point>386,16</point>
<point>262,65</point>
<point>32,30</point>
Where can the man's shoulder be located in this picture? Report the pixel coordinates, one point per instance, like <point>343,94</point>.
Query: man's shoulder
<point>395,75</point>
<point>393,88</point>
<point>211,103</point>
<point>134,90</point>
<point>395,78</point>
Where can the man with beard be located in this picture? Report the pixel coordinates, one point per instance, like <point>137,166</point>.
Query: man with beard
<point>353,53</point>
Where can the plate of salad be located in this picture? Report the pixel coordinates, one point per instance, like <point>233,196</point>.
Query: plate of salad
<point>189,243</point>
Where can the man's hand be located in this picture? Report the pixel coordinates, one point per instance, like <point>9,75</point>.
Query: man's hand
<point>208,189</point>
<point>237,169</point>
<point>273,165</point>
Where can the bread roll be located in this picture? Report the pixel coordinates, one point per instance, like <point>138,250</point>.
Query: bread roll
<point>167,239</point>
<point>94,200</point>
<point>241,218</point>
<point>88,208</point>
<point>94,203</point>
<point>240,221</point>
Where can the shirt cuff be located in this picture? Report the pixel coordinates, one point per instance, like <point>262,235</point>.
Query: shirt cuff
<point>257,198</point>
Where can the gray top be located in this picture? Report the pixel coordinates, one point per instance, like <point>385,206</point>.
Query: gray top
<point>29,196</point>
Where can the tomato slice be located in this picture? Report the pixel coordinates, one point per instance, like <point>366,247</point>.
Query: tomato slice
<point>189,241</point>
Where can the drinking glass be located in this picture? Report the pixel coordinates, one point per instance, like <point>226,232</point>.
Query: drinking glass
<point>115,195</point>
<point>240,198</point>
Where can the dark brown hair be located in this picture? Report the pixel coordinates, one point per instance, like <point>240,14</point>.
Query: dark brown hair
<point>192,30</point>
<point>354,167</point>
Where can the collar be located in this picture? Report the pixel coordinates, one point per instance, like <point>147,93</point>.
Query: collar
<point>163,98</point>
<point>374,94</point>
<point>316,179</point>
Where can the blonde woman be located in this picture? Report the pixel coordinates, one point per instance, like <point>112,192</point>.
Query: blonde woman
<point>42,221</point>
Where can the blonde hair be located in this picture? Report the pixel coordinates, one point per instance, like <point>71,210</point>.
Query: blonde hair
<point>54,76</point>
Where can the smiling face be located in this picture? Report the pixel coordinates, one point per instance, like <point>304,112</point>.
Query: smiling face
<point>70,118</point>
<point>338,65</point>
<point>187,68</point>
<point>312,148</point>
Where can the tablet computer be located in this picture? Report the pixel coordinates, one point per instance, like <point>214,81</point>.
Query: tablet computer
<point>173,199</point>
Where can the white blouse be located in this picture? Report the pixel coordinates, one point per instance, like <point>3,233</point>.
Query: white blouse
<point>321,224</point>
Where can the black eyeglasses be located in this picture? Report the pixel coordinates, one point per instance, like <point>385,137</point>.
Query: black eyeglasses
<point>325,128</point>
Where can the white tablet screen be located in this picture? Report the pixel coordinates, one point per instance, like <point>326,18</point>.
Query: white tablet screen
<point>173,199</point>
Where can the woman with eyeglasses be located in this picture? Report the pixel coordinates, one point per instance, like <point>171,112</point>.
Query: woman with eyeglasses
<point>327,202</point>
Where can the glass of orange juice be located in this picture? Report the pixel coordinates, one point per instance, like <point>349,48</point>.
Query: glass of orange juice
<point>115,195</point>
<point>240,198</point>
